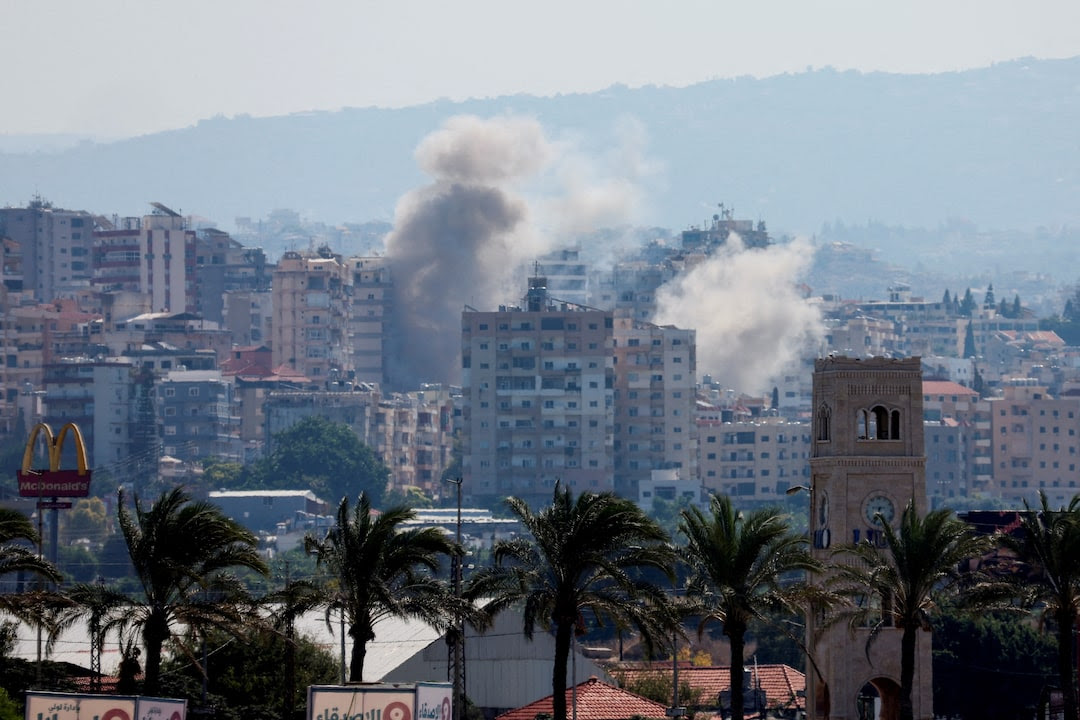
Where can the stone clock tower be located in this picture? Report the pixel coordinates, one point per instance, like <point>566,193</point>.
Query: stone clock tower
<point>867,459</point>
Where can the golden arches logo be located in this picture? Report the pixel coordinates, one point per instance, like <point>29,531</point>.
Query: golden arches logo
<point>54,481</point>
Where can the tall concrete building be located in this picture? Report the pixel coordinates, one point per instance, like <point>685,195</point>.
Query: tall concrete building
<point>370,312</point>
<point>654,401</point>
<point>167,261</point>
<point>538,394</point>
<point>312,309</point>
<point>55,247</point>
<point>1036,444</point>
<point>867,464</point>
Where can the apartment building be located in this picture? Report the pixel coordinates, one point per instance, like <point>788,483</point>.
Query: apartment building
<point>754,460</point>
<point>312,309</point>
<point>98,396</point>
<point>223,265</point>
<point>54,245</point>
<point>957,431</point>
<point>198,416</point>
<point>370,312</point>
<point>653,401</point>
<point>1036,444</point>
<point>167,261</point>
<point>537,399</point>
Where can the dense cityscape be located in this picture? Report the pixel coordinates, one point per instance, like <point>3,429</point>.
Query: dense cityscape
<point>273,390</point>
<point>540,361</point>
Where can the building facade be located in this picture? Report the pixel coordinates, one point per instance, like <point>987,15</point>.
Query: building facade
<point>537,399</point>
<point>867,464</point>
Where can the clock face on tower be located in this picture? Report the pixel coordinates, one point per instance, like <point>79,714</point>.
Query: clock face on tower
<point>879,504</point>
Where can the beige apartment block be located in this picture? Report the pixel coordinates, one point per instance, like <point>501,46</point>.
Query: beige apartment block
<point>311,306</point>
<point>866,465</point>
<point>167,261</point>
<point>754,460</point>
<point>1036,444</point>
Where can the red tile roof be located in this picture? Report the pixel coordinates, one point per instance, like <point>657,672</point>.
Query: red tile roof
<point>784,686</point>
<point>596,700</point>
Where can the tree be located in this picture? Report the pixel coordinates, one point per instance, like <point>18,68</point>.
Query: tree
<point>87,519</point>
<point>243,674</point>
<point>382,569</point>
<point>103,608</point>
<point>1017,309</point>
<point>742,567</point>
<point>946,300</point>
<point>326,456</point>
<point>182,552</point>
<point>919,567</point>
<point>1050,545</point>
<point>1009,661</point>
<point>969,342</point>
<point>17,536</point>
<point>988,299</point>
<point>967,305</point>
<point>590,555</point>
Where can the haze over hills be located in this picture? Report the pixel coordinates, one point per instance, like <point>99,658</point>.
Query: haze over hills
<point>997,147</point>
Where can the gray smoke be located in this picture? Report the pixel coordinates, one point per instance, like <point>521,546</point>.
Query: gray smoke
<point>752,324</point>
<point>455,239</point>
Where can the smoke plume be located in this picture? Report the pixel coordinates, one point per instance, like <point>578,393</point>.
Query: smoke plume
<point>455,239</point>
<point>751,322</point>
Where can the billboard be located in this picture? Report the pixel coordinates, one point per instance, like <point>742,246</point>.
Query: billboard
<point>74,706</point>
<point>52,481</point>
<point>82,706</point>
<point>434,701</point>
<point>422,701</point>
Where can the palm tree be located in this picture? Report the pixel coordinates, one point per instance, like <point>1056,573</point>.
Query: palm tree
<point>382,570</point>
<point>17,555</point>
<point>17,537</point>
<point>923,561</point>
<point>1050,544</point>
<point>742,567</point>
<point>182,552</point>
<point>588,554</point>
<point>102,607</point>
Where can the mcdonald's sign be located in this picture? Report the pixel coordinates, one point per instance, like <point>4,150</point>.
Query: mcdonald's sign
<point>53,481</point>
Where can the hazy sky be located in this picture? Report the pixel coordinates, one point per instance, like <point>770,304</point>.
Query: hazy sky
<point>112,68</point>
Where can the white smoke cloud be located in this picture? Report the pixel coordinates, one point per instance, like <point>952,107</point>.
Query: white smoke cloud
<point>751,321</point>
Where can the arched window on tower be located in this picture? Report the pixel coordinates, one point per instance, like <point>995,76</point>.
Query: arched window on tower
<point>881,423</point>
<point>824,418</point>
<point>878,423</point>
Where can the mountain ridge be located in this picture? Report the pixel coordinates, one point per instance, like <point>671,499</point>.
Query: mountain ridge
<point>995,146</point>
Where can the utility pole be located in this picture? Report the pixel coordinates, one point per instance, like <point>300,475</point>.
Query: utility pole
<point>457,635</point>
